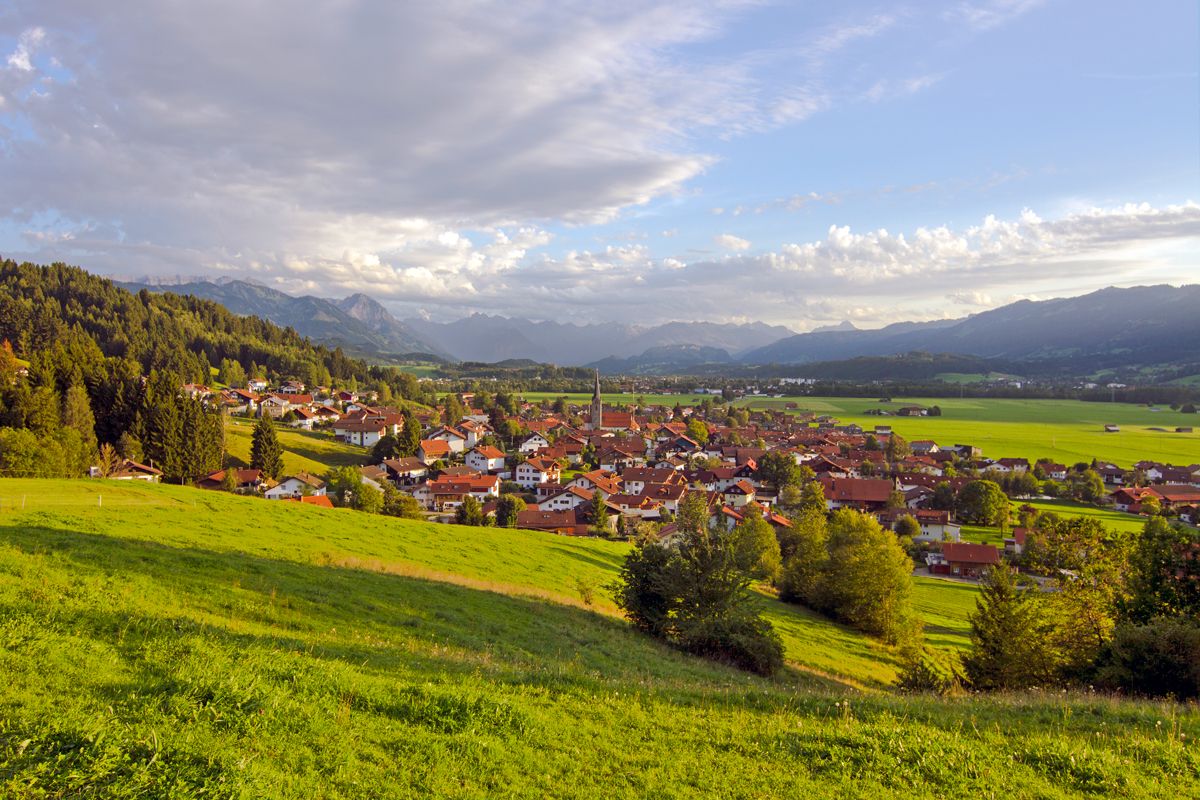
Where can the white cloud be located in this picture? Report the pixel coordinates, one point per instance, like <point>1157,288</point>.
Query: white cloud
<point>991,13</point>
<point>727,241</point>
<point>28,43</point>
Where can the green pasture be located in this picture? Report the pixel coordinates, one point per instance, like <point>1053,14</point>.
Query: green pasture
<point>303,451</point>
<point>167,642</point>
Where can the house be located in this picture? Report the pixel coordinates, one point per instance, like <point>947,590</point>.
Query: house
<point>248,481</point>
<point>1014,466</point>
<point>597,480</point>
<point>537,470</point>
<point>240,401</point>
<point>257,384</point>
<point>964,559</point>
<point>298,485</point>
<point>291,387</point>
<point>431,450</point>
<point>936,526</point>
<point>740,494</point>
<point>1112,428</point>
<point>1129,498</point>
<point>1055,472</point>
<point>304,418</point>
<point>485,458</point>
<point>561,522</point>
<point>912,411</point>
<point>448,492</point>
<point>865,494</point>
<point>924,447</point>
<point>569,498</point>
<point>532,444</point>
<point>363,434</point>
<point>635,479</point>
<point>451,436</point>
<point>1015,545</point>
<point>129,470</point>
<point>1174,495</point>
<point>405,471</point>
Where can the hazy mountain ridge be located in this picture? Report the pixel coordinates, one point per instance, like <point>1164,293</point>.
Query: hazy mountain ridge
<point>1111,327</point>
<point>484,337</point>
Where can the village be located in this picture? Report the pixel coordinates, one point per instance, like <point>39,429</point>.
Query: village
<point>638,463</point>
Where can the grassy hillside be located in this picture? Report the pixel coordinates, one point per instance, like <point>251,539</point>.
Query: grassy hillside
<point>162,641</point>
<point>303,451</point>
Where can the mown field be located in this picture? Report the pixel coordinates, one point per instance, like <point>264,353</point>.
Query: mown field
<point>1065,430</point>
<point>1108,517</point>
<point>303,451</point>
<point>165,642</point>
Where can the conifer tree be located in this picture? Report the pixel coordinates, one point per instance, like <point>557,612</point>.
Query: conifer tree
<point>410,438</point>
<point>77,415</point>
<point>1008,636</point>
<point>265,452</point>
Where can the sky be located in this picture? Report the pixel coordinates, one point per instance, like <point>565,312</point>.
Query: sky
<point>795,163</point>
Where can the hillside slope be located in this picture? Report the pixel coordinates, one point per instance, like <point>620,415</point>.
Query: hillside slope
<point>161,641</point>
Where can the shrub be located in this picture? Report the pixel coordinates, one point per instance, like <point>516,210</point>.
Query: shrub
<point>743,641</point>
<point>926,670</point>
<point>1160,658</point>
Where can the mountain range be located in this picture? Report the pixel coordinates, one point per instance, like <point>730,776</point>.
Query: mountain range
<point>1107,329</point>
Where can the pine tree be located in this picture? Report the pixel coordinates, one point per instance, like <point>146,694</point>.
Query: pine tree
<point>1008,637</point>
<point>265,452</point>
<point>77,414</point>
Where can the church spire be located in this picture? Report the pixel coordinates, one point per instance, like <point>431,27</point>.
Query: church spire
<point>597,406</point>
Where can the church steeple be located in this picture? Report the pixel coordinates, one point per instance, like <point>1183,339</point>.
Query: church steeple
<point>597,406</point>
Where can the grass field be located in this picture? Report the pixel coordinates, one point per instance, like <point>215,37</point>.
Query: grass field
<point>175,643</point>
<point>1109,518</point>
<point>303,451</point>
<point>1065,430</point>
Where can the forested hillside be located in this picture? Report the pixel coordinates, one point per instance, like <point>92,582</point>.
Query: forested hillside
<point>106,366</point>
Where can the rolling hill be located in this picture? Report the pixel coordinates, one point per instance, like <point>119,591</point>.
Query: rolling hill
<point>164,641</point>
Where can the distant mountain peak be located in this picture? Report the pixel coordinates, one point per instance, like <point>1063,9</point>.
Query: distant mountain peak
<point>844,325</point>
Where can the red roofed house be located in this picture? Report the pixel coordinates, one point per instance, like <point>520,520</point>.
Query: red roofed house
<point>486,458</point>
<point>431,450</point>
<point>963,559</point>
<point>865,494</point>
<point>537,470</point>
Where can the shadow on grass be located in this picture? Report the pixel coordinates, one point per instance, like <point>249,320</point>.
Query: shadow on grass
<point>382,624</point>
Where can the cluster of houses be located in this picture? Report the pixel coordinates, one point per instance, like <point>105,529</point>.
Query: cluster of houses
<point>640,464</point>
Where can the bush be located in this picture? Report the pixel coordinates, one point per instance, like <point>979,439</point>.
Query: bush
<point>1159,659</point>
<point>926,670</point>
<point>742,641</point>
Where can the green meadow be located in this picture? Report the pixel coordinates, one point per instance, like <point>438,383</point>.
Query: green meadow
<point>167,642</point>
<point>303,451</point>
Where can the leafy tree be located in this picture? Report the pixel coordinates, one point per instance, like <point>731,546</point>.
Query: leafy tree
<point>812,497</point>
<point>897,448</point>
<point>1160,658</point>
<point>697,431</point>
<point>1164,573</point>
<point>342,484</point>
<point>387,447</point>
<point>400,504</point>
<point>470,512</point>
<point>1008,637</point>
<point>758,547</point>
<point>696,593</point>
<point>507,509</point>
<point>109,460</point>
<point>779,469</point>
<point>867,580</point>
<point>1151,506</point>
<point>1087,485</point>
<point>129,447</point>
<point>983,502</point>
<point>368,499</point>
<point>229,481</point>
<point>907,527</point>
<point>266,454</point>
<point>944,497</point>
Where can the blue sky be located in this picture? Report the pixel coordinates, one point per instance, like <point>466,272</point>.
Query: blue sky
<point>790,163</point>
